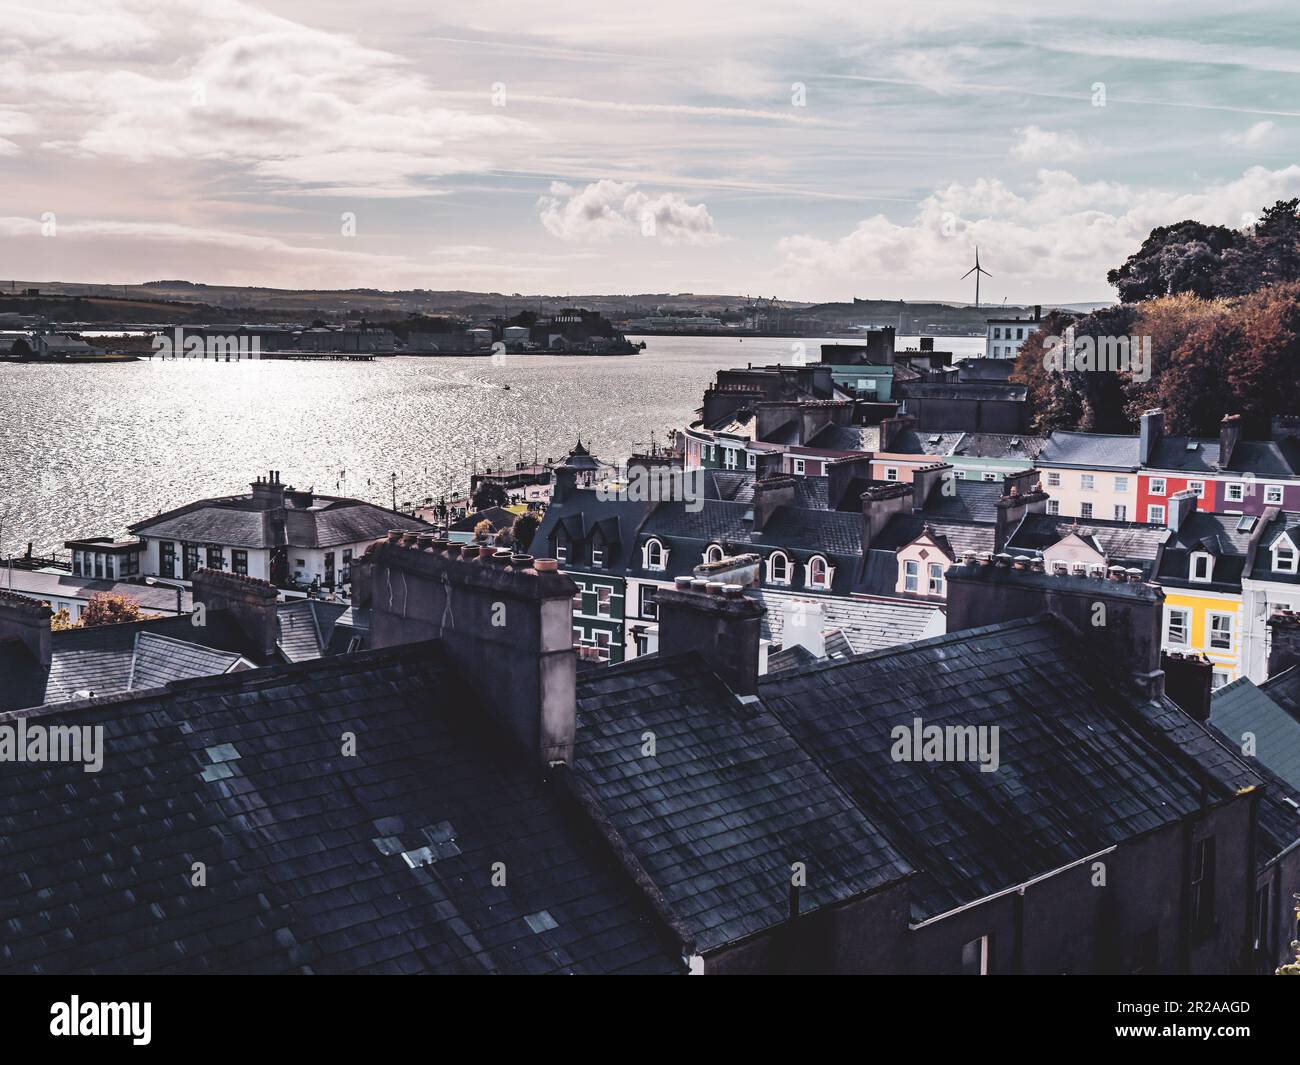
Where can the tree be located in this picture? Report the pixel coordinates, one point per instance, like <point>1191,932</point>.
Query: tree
<point>1184,257</point>
<point>1168,321</point>
<point>1263,368</point>
<point>489,494</point>
<point>1191,392</point>
<point>61,620</point>
<point>110,608</point>
<point>525,528</point>
<point>483,530</point>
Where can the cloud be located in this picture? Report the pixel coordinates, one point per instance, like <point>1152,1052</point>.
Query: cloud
<point>605,209</point>
<point>1059,232</point>
<point>1252,137</point>
<point>1037,145</point>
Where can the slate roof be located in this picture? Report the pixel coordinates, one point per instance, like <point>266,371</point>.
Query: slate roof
<point>902,529</point>
<point>1285,521</point>
<point>306,521</point>
<point>159,660</point>
<point>867,624</point>
<point>377,863</point>
<point>999,446</point>
<point>307,628</point>
<point>1090,449</point>
<point>1124,541</point>
<point>101,659</point>
<point>1218,534</point>
<point>1084,764</point>
<point>1262,458</point>
<point>1242,707</point>
<point>970,501</point>
<point>725,806</point>
<point>584,517</point>
<point>43,584</point>
<point>846,438</point>
<point>1284,689</point>
<point>912,442</point>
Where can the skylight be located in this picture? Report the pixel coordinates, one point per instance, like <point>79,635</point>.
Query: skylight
<point>1246,523</point>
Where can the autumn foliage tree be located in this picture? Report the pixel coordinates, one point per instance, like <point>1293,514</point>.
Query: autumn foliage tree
<point>110,608</point>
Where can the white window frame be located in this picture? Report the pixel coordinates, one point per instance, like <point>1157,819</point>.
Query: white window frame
<point>597,555</point>
<point>798,465</point>
<point>1158,486</point>
<point>709,553</point>
<point>1121,512</point>
<point>1186,615</point>
<point>1274,494</point>
<point>891,473</point>
<point>1217,615</point>
<point>1280,545</point>
<point>825,580</point>
<point>1121,484</point>
<point>934,583</point>
<point>1085,510</point>
<point>1054,506</point>
<point>751,461</point>
<point>646,555</point>
<point>772,578</point>
<point>1197,488</point>
<point>604,606</point>
<point>1152,509</point>
<point>1194,563</point>
<point>911,575</point>
<point>1053,479</point>
<point>1087,482</point>
<point>1234,492</point>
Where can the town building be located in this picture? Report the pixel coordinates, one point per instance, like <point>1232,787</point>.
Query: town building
<point>1004,336</point>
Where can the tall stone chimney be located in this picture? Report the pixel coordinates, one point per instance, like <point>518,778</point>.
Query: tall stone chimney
<point>1229,437</point>
<point>504,621</point>
<point>1182,505</point>
<point>716,621</point>
<point>26,619</point>
<point>1150,430</point>
<point>1188,681</point>
<point>879,504</point>
<point>251,602</point>
<point>769,494</point>
<point>1022,492</point>
<point>842,472</point>
<point>1120,617</point>
<point>268,491</point>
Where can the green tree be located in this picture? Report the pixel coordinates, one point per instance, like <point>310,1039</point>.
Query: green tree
<point>525,528</point>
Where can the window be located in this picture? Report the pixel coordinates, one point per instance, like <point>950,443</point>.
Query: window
<point>192,559</point>
<point>1203,887</point>
<point>1284,556</point>
<point>1087,482</point>
<point>597,555</point>
<point>975,957</point>
<point>997,332</point>
<point>1218,678</point>
<point>911,576</point>
<point>649,608</point>
<point>778,568</point>
<point>1234,491</point>
<point>1085,510</point>
<point>818,573</point>
<point>216,558</point>
<point>1053,480</point>
<point>602,644</point>
<point>1176,626</point>
<point>731,458</point>
<point>167,558</point>
<point>798,465</point>
<point>131,564</point>
<point>1020,333</point>
<point>346,572</point>
<point>577,637</point>
<point>1053,506</point>
<point>990,477</point>
<point>1121,484</point>
<point>99,563</point>
<point>1197,488</point>
<point>891,473</point>
<point>1221,632</point>
<point>654,554</point>
<point>1273,494</point>
<point>1121,512</point>
<point>959,474</point>
<point>751,461</point>
<point>239,562</point>
<point>603,599</point>
<point>1202,566</point>
<point>577,600</point>
<point>713,553</point>
<point>936,578</point>
<point>1157,486</point>
<point>1155,514</point>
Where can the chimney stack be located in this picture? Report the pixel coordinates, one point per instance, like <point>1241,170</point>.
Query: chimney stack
<point>717,622</point>
<point>1188,681</point>
<point>1229,438</point>
<point>925,479</point>
<point>503,620</point>
<point>1021,492</point>
<point>268,492</point>
<point>840,474</point>
<point>733,569</point>
<point>1120,619</point>
<point>1182,505</point>
<point>769,494</point>
<point>251,602</point>
<point>802,624</point>
<point>879,504</point>
<point>26,619</point>
<point>1151,429</point>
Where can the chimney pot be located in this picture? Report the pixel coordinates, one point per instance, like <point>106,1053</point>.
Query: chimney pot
<point>546,565</point>
<point>683,583</point>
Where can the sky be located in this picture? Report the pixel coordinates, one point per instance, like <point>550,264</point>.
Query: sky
<point>813,151</point>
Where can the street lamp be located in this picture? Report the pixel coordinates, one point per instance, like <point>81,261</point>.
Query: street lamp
<point>180,589</point>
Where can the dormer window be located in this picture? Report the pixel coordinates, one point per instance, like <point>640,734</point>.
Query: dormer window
<point>561,551</point>
<point>713,553</point>
<point>597,554</point>
<point>1202,566</point>
<point>819,573</point>
<point>655,555</point>
<point>1284,555</point>
<point>778,568</point>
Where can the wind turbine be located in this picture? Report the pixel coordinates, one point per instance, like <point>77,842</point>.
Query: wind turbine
<point>976,270</point>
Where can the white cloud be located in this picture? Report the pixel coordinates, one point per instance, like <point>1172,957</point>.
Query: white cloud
<point>605,209</point>
<point>1059,233</point>
<point>1252,137</point>
<point>1037,145</point>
